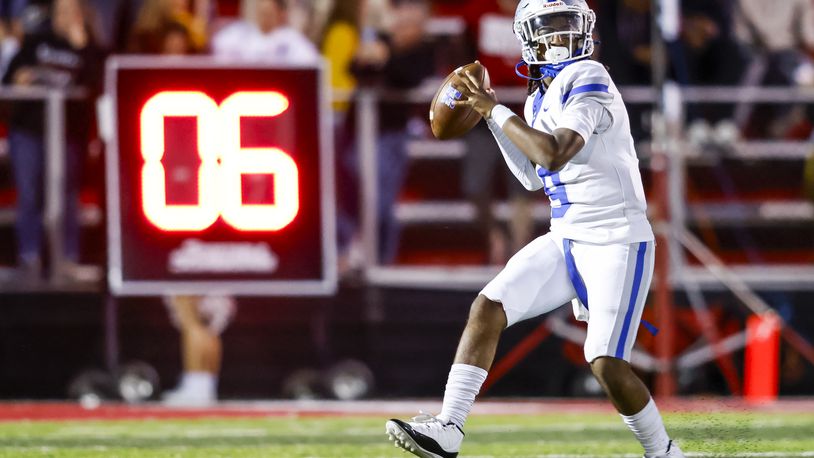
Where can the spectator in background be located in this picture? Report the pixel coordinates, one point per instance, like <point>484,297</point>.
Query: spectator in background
<point>173,38</point>
<point>398,60</point>
<point>176,41</point>
<point>318,13</point>
<point>19,18</point>
<point>156,16</point>
<point>11,12</point>
<point>339,44</point>
<point>200,320</point>
<point>779,34</point>
<point>115,19</point>
<point>64,56</point>
<point>303,16</point>
<point>710,57</point>
<point>264,35</point>
<point>713,56</point>
<point>783,29</point>
<point>624,32</point>
<point>625,35</point>
<point>12,27</point>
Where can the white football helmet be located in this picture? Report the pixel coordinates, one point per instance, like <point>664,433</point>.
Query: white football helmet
<point>569,23</point>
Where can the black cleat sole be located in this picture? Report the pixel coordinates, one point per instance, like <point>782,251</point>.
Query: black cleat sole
<point>418,444</point>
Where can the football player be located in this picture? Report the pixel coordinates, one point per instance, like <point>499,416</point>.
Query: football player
<point>575,144</point>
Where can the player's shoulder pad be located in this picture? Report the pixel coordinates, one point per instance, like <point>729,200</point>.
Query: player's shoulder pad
<point>586,78</point>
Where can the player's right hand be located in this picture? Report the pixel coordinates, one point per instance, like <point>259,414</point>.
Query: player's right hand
<point>475,95</point>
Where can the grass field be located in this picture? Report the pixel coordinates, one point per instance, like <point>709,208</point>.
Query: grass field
<point>770,434</point>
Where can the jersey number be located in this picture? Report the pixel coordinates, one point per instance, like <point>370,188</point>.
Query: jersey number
<point>555,190</point>
<point>223,163</point>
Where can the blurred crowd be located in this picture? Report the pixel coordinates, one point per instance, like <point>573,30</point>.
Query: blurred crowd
<point>395,44</point>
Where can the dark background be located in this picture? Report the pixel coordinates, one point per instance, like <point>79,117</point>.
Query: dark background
<point>407,338</point>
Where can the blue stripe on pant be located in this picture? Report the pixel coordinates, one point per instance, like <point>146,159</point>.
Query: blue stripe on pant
<point>634,296</point>
<point>573,273</point>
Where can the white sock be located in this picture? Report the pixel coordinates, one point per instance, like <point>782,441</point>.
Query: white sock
<point>649,429</point>
<point>463,385</point>
<point>200,382</point>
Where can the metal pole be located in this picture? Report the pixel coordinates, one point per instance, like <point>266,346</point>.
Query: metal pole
<point>55,178</point>
<point>366,135</point>
<point>111,333</point>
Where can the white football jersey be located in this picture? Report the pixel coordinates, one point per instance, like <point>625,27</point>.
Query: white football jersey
<point>597,197</point>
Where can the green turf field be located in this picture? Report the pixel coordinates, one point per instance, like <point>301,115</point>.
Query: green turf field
<point>729,434</point>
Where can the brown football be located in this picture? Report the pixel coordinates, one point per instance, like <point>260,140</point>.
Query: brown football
<point>447,118</point>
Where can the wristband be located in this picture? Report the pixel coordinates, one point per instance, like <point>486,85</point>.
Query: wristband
<point>500,114</point>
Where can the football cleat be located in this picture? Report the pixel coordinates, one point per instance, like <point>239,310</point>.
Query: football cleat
<point>673,451</point>
<point>426,436</point>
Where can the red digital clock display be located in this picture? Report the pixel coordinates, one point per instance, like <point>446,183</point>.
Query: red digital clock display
<point>219,179</point>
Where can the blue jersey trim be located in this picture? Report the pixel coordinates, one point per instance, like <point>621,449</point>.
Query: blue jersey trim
<point>634,295</point>
<point>536,105</point>
<point>586,88</point>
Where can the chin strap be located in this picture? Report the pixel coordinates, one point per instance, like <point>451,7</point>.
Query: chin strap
<point>552,70</point>
<point>547,71</point>
<point>521,75</point>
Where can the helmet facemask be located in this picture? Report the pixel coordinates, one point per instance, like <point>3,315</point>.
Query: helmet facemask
<point>551,38</point>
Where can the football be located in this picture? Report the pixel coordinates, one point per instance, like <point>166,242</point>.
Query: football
<point>447,118</point>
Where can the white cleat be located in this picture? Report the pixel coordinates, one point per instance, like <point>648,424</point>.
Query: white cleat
<point>673,451</point>
<point>426,436</point>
